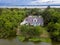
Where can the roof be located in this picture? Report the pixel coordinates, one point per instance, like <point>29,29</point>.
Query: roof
<point>30,19</point>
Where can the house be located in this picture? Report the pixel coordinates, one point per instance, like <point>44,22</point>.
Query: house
<point>33,20</point>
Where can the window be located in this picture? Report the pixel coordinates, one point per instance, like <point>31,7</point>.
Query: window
<point>34,20</point>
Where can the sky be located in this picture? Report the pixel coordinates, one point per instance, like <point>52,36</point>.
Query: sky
<point>29,2</point>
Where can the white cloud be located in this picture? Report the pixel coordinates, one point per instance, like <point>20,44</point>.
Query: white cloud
<point>45,2</point>
<point>39,1</point>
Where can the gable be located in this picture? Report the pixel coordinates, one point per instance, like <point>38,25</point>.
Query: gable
<point>34,19</point>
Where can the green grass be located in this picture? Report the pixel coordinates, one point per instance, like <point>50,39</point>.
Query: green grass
<point>45,39</point>
<point>35,39</point>
<point>40,39</point>
<point>21,38</point>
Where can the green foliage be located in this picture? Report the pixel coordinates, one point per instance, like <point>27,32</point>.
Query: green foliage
<point>9,21</point>
<point>35,39</point>
<point>45,39</point>
<point>54,30</point>
<point>21,38</point>
<point>40,39</point>
<point>52,22</point>
<point>32,33</point>
<point>31,30</point>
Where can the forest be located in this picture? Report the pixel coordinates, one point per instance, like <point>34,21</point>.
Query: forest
<point>10,19</point>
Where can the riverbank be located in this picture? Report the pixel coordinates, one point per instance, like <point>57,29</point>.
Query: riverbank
<point>15,41</point>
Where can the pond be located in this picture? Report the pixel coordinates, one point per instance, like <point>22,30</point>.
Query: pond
<point>17,42</point>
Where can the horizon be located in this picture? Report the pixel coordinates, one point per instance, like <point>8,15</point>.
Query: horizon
<point>29,6</point>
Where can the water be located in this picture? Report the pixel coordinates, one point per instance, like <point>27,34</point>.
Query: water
<point>17,42</point>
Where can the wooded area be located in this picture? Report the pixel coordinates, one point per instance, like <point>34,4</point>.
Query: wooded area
<point>10,19</point>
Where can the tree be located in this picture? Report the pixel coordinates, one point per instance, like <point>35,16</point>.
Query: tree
<point>9,21</point>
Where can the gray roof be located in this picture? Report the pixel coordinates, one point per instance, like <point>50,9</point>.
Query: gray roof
<point>30,19</point>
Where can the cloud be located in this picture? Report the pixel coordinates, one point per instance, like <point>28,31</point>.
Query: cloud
<point>30,2</point>
<point>45,0</point>
<point>39,2</point>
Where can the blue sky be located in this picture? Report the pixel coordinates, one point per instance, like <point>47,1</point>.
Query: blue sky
<point>29,2</point>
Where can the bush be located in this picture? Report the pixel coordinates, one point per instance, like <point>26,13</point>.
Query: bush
<point>9,21</point>
<point>21,38</point>
<point>32,33</point>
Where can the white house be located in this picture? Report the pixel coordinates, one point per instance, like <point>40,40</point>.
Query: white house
<point>33,20</point>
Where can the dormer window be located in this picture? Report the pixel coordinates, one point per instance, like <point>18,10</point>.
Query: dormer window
<point>34,20</point>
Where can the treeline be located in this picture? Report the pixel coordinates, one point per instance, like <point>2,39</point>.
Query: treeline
<point>52,22</point>
<point>10,19</point>
<point>51,18</point>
